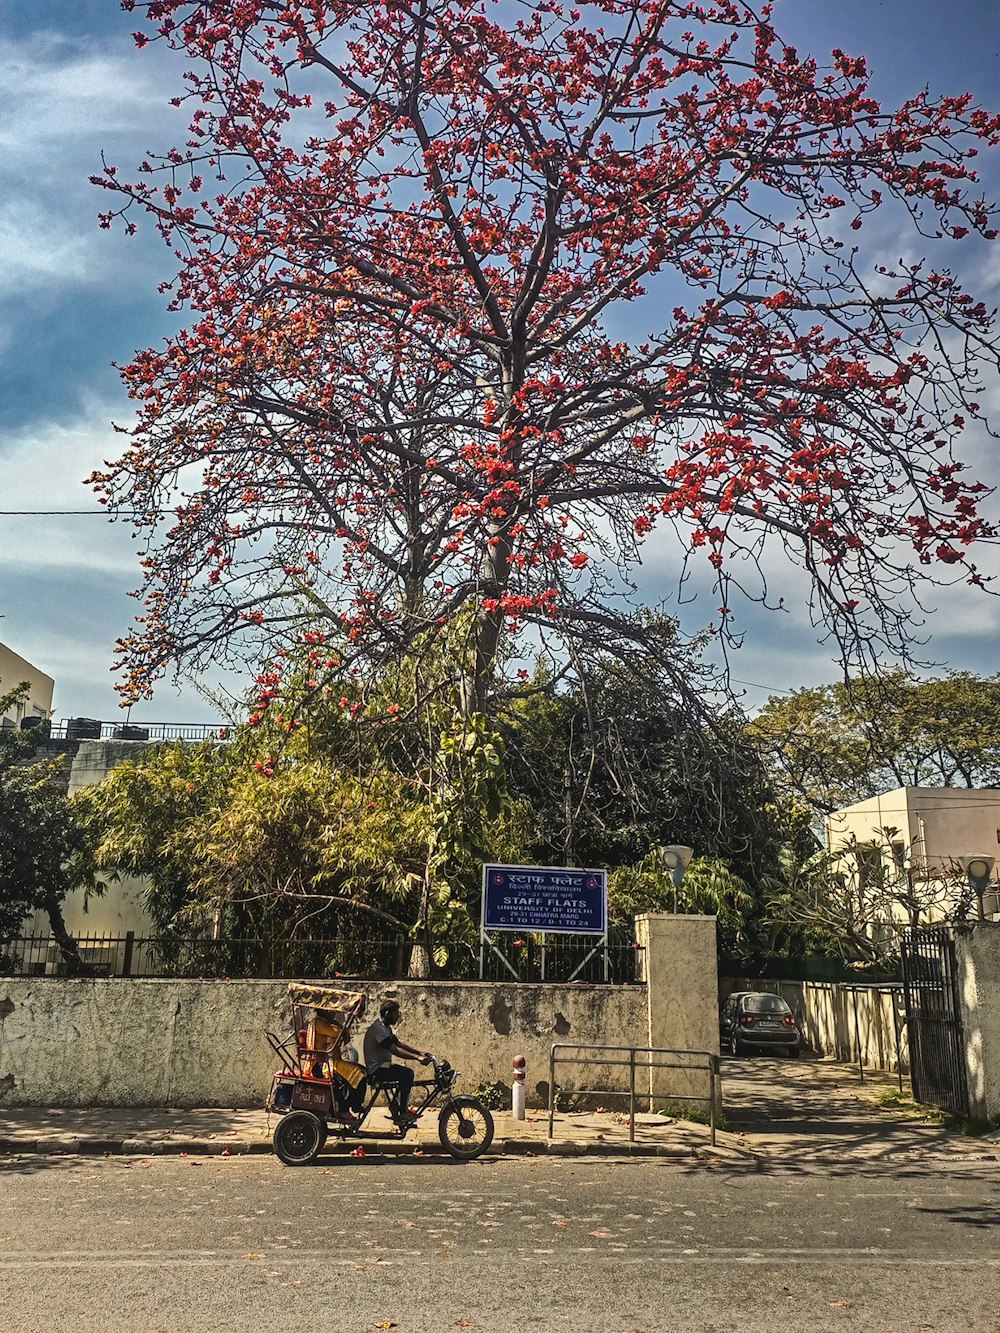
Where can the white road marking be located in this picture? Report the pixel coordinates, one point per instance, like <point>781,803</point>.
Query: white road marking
<point>872,1258</point>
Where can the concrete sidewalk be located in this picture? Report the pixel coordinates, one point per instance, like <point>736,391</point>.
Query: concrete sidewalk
<point>212,1131</point>
<point>802,1113</point>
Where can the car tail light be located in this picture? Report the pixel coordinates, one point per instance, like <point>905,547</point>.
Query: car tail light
<point>746,1020</point>
<point>789,1020</point>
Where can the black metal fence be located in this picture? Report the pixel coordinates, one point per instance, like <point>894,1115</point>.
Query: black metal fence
<point>92,729</point>
<point>934,1019</point>
<point>132,955</point>
<point>563,958</point>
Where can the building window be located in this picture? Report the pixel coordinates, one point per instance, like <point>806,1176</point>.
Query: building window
<point>869,866</point>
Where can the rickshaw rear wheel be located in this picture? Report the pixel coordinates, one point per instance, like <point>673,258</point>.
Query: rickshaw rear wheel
<point>465,1127</point>
<point>299,1138</point>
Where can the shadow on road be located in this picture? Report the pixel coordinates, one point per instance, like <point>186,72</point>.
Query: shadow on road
<point>982,1216</point>
<point>325,1164</point>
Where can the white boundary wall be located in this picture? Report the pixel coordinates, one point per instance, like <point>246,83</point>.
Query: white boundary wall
<point>83,1042</point>
<point>68,1042</point>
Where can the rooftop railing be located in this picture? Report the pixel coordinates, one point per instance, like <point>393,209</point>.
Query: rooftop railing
<point>91,729</point>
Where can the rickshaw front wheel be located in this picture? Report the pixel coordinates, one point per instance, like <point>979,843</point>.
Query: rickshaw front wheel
<point>465,1127</point>
<point>299,1137</point>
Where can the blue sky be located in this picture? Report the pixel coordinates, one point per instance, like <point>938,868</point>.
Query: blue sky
<point>73,299</point>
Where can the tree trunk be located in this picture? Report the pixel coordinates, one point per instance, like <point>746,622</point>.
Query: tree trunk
<point>422,952</point>
<point>68,948</point>
<point>568,820</point>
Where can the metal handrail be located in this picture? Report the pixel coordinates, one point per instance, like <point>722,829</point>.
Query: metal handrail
<point>711,1066</point>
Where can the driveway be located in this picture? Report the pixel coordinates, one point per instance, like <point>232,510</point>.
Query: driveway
<point>812,1110</point>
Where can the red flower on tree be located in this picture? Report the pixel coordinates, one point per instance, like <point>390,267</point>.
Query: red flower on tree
<point>402,227</point>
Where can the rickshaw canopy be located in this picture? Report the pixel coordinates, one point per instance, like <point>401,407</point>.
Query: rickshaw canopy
<point>340,1005</point>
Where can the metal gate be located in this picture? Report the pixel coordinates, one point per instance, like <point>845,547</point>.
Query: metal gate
<point>934,1019</point>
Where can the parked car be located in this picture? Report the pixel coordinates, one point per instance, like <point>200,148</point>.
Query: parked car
<point>752,1019</point>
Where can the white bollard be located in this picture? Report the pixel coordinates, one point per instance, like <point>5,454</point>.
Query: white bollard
<point>517,1089</point>
<point>517,1100</point>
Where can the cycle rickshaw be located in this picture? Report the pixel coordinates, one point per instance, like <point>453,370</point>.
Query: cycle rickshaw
<point>320,1089</point>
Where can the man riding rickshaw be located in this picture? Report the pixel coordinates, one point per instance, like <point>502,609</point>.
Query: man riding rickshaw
<point>322,1088</point>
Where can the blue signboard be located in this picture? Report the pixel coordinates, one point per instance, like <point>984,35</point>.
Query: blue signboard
<point>544,898</point>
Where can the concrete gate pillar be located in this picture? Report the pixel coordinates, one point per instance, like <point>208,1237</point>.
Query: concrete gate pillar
<point>679,965</point>
<point>977,958</point>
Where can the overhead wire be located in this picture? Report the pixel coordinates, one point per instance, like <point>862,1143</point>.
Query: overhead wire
<point>66,513</point>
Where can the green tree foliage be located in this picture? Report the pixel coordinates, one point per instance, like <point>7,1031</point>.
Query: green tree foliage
<point>613,764</point>
<point>366,806</point>
<point>854,903</point>
<point>708,887</point>
<point>151,816</point>
<point>407,729</point>
<point>44,852</point>
<point>329,827</point>
<point>836,744</point>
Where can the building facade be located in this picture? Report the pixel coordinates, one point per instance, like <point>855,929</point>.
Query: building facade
<point>15,670</point>
<point>100,922</point>
<point>912,842</point>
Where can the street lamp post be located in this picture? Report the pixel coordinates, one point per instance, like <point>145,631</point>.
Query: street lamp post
<point>675,861</point>
<point>978,870</point>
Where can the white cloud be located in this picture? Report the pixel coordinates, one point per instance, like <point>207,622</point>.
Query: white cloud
<point>42,468</point>
<point>64,580</point>
<point>36,248</point>
<point>61,105</point>
<point>54,94</point>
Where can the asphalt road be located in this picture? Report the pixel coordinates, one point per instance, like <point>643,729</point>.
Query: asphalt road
<point>593,1246</point>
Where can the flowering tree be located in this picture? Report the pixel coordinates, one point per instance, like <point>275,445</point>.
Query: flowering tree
<point>481,296</point>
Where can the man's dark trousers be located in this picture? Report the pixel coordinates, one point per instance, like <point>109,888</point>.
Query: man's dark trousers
<point>398,1082</point>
